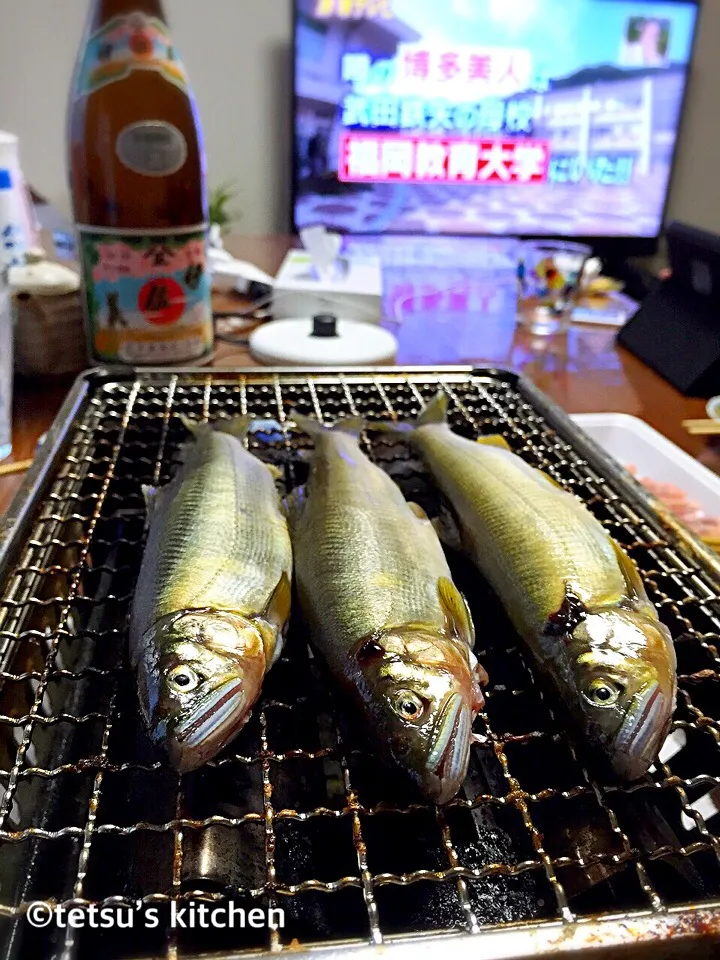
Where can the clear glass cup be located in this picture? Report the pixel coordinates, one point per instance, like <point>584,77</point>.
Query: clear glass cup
<point>470,321</point>
<point>6,366</point>
<point>549,280</point>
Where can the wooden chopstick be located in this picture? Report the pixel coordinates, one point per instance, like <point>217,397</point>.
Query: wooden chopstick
<point>702,428</point>
<point>8,469</point>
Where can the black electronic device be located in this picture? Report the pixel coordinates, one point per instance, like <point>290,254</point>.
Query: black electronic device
<point>676,331</point>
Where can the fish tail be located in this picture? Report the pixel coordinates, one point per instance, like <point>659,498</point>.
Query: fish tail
<point>353,426</point>
<point>195,427</point>
<point>435,413</point>
<point>235,427</point>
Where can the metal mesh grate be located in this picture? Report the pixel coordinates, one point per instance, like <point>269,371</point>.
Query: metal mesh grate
<point>295,813</point>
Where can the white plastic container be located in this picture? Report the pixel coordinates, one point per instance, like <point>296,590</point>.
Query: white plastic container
<point>633,443</point>
<point>17,230</point>
<point>6,367</point>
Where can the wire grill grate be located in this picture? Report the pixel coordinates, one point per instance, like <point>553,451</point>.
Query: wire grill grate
<point>295,813</point>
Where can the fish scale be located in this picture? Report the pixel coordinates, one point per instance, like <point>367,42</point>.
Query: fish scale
<point>573,595</point>
<point>384,562</point>
<point>378,595</point>
<point>499,498</point>
<point>213,597</point>
<point>214,534</point>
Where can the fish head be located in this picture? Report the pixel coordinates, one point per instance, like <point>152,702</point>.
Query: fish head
<point>624,686</point>
<point>203,673</point>
<point>422,694</point>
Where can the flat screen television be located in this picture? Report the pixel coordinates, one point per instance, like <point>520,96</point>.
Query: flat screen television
<point>555,118</point>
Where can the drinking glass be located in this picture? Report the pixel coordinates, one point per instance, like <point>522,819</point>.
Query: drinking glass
<point>549,281</point>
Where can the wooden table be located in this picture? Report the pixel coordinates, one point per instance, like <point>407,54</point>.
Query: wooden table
<point>584,372</point>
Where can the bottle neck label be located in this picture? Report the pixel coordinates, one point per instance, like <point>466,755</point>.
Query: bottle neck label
<point>126,44</point>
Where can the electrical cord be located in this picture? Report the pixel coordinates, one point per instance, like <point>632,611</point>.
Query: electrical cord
<point>233,341</point>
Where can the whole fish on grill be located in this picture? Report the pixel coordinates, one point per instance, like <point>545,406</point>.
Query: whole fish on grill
<point>572,593</point>
<point>378,596</point>
<point>213,595</point>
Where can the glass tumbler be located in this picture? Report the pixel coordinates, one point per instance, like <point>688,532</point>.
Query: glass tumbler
<point>549,282</point>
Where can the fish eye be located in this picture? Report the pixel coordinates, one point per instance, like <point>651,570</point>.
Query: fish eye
<point>408,706</point>
<point>603,693</point>
<point>183,679</point>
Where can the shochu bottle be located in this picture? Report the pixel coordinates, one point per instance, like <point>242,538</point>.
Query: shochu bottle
<point>137,176</point>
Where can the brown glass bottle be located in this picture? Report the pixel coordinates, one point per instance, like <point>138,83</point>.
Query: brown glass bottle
<point>137,177</point>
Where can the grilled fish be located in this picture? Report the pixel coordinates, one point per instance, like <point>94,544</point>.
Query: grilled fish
<point>377,593</point>
<point>213,595</point>
<point>572,593</point>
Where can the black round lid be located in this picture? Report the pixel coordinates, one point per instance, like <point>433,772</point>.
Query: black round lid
<point>324,325</point>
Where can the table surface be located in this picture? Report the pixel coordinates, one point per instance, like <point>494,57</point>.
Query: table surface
<point>584,372</point>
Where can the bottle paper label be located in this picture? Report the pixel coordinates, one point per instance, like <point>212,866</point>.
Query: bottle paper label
<point>148,294</point>
<point>153,148</point>
<point>128,43</point>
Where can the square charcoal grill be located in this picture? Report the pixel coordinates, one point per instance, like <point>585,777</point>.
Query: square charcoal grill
<point>537,855</point>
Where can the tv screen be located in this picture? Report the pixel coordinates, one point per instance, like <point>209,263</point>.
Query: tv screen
<point>504,117</point>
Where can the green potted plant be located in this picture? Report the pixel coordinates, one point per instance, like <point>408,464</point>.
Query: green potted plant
<point>221,216</point>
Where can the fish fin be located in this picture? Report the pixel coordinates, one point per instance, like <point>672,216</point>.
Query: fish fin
<point>435,412</point>
<point>494,441</point>
<point>150,496</point>
<point>478,669</point>
<point>277,650</point>
<point>458,620</point>
<point>393,427</point>
<point>308,425</point>
<point>237,427</point>
<point>353,426</point>
<point>294,503</point>
<point>552,481</point>
<point>636,587</point>
<point>149,493</point>
<point>195,427</point>
<point>419,512</point>
<point>448,529</point>
<point>277,610</point>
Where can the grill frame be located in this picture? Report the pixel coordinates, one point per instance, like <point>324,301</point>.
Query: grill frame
<point>683,924</point>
